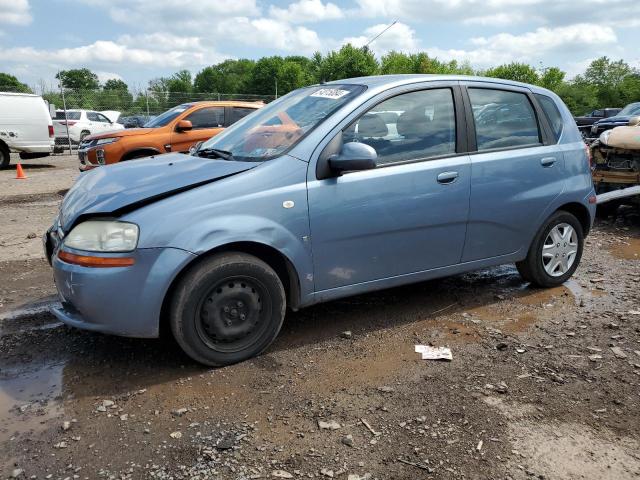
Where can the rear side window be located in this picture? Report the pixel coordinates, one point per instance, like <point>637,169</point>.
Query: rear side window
<point>208,117</point>
<point>93,116</point>
<point>503,119</point>
<point>239,112</point>
<point>550,109</point>
<point>70,115</point>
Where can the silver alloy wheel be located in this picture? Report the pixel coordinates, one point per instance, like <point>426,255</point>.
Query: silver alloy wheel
<point>559,250</point>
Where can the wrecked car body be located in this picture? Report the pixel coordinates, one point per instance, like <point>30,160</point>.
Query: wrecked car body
<point>616,166</point>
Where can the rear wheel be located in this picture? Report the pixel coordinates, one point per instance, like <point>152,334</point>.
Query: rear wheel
<point>227,309</point>
<point>83,135</point>
<point>5,156</point>
<point>555,251</point>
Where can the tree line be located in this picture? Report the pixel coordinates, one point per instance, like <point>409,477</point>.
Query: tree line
<point>604,83</point>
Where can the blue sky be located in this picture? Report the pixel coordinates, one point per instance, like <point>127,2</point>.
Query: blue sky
<point>138,40</point>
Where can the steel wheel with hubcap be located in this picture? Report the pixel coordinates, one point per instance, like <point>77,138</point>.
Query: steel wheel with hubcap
<point>555,251</point>
<point>227,308</point>
<point>559,250</point>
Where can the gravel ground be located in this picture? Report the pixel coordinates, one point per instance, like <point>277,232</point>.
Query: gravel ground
<point>543,383</point>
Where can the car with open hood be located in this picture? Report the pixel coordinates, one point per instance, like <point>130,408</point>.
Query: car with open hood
<point>176,130</point>
<point>319,195</point>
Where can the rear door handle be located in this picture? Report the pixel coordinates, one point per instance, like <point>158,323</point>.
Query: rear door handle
<point>548,161</point>
<point>447,177</point>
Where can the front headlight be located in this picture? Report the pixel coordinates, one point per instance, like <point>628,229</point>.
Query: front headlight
<point>103,236</point>
<point>106,141</point>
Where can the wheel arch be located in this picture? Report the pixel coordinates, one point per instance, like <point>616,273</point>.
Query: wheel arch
<point>280,263</point>
<point>580,212</point>
<point>132,153</point>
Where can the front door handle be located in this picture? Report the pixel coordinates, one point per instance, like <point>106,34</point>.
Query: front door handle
<point>447,177</point>
<point>548,161</point>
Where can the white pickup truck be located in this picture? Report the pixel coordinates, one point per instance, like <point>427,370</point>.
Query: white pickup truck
<point>25,127</point>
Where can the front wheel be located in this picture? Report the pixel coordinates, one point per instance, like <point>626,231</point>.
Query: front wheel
<point>227,308</point>
<point>555,251</point>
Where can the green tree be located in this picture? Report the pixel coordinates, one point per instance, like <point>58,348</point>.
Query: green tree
<point>78,79</point>
<point>9,83</point>
<point>397,62</point>
<point>348,62</point>
<point>230,76</point>
<point>115,84</point>
<point>519,72</point>
<point>264,75</point>
<point>552,78</point>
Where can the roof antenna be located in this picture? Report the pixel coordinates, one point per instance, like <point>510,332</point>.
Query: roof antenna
<point>378,35</point>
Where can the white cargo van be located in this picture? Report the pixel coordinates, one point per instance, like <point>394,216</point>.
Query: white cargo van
<point>25,126</point>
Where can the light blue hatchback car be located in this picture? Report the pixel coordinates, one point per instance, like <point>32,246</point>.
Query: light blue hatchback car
<point>332,190</point>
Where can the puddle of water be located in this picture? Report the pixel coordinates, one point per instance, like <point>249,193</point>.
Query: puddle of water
<point>629,250</point>
<point>29,401</point>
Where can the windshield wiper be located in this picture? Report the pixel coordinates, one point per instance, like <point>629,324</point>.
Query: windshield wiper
<point>223,154</point>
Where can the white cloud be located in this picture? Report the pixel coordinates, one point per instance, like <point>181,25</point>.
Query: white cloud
<point>110,53</point>
<point>267,32</point>
<point>531,46</point>
<point>305,11</point>
<point>174,15</point>
<point>399,37</point>
<point>15,12</point>
<point>104,76</point>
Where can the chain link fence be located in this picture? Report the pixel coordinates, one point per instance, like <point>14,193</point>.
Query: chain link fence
<point>147,102</point>
<point>144,103</point>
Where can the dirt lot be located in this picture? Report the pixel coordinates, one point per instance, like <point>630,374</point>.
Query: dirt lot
<point>543,383</point>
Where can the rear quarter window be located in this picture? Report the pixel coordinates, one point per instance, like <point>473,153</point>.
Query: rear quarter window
<point>550,109</point>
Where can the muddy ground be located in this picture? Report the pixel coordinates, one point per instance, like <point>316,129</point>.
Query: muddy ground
<point>543,383</point>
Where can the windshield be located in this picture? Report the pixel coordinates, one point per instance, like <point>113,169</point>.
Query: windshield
<point>276,128</point>
<point>631,109</point>
<point>70,115</point>
<point>166,117</point>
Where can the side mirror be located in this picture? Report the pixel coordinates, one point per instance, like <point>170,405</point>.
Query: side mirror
<point>634,121</point>
<point>353,156</point>
<point>194,148</point>
<point>184,126</point>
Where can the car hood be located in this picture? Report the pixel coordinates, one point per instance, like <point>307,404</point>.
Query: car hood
<point>616,119</point>
<point>122,187</point>
<point>129,132</point>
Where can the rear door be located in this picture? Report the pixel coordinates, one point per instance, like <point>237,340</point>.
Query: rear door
<point>516,169</point>
<point>407,215</point>
<point>206,121</point>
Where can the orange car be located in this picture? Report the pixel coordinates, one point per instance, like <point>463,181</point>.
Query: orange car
<point>176,130</point>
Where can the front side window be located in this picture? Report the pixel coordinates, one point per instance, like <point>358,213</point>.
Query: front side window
<point>102,118</point>
<point>503,119</point>
<point>208,117</point>
<point>277,127</point>
<point>597,114</point>
<point>550,109</point>
<point>411,126</point>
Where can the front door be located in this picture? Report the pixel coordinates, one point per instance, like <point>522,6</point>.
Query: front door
<point>515,173</point>
<point>407,215</point>
<point>206,121</point>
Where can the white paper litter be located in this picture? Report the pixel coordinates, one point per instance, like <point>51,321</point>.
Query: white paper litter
<point>434,353</point>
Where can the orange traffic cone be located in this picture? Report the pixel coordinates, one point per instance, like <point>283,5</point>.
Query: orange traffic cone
<point>20,173</point>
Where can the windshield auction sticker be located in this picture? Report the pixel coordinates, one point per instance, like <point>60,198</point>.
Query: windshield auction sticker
<point>332,93</point>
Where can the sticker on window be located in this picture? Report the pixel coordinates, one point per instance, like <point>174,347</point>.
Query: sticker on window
<point>332,93</point>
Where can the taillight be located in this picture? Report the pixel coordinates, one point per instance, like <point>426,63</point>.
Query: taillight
<point>50,131</point>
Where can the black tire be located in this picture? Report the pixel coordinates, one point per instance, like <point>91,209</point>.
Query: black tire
<point>83,135</point>
<point>227,308</point>
<point>532,268</point>
<point>5,156</point>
